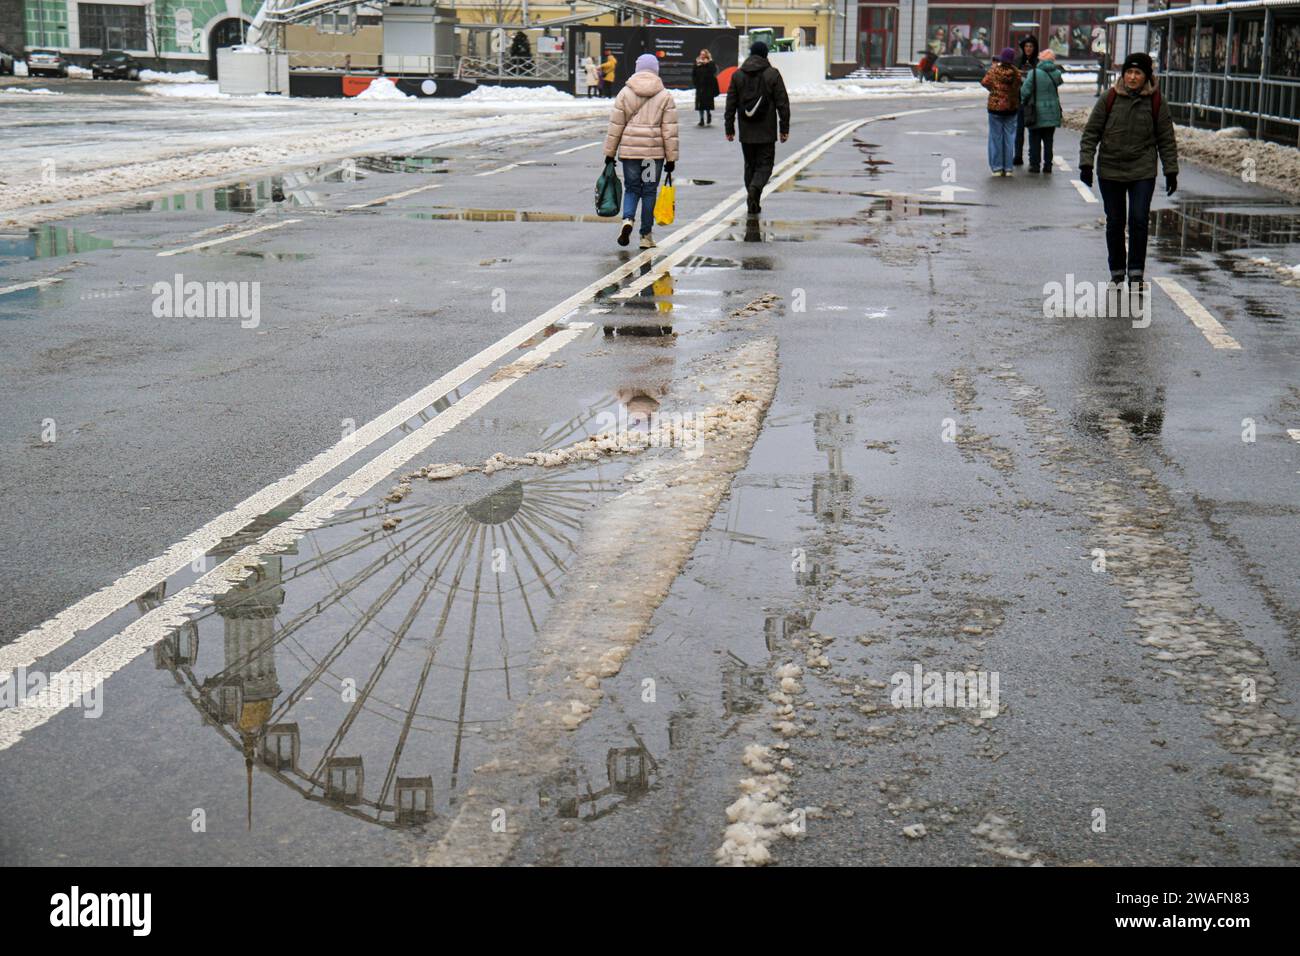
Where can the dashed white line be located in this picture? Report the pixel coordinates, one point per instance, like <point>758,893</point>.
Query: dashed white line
<point>507,167</point>
<point>34,284</point>
<point>403,194</point>
<point>1060,163</point>
<point>574,149</point>
<point>1084,191</point>
<point>1215,333</point>
<point>239,235</point>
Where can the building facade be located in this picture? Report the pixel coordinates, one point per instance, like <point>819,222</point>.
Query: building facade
<point>877,34</point>
<point>165,34</point>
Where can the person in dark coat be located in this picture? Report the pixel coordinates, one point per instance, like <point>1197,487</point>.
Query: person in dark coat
<point>1130,125</point>
<point>757,93</point>
<point>705,80</point>
<point>1026,61</point>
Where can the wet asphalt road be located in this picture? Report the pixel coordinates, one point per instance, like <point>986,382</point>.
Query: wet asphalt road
<point>895,315</point>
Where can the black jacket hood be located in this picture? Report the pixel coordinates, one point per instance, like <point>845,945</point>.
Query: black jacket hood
<point>755,64</point>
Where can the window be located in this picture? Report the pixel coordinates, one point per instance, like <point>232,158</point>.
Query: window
<point>1079,33</point>
<point>1286,47</point>
<point>958,31</point>
<point>340,21</point>
<point>111,27</point>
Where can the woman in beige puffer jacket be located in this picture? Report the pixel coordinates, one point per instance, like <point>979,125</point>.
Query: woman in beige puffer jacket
<point>643,134</point>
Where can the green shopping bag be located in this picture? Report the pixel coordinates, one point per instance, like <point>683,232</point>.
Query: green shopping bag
<point>609,192</point>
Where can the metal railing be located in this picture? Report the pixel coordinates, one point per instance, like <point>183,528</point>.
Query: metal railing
<point>1215,99</point>
<point>540,66</point>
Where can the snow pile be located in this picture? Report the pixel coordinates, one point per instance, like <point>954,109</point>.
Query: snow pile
<point>79,73</point>
<point>20,68</point>
<point>1290,275</point>
<point>161,76</point>
<point>517,94</point>
<point>195,90</point>
<point>38,92</point>
<point>382,88</point>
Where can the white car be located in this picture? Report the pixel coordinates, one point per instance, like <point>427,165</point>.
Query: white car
<point>46,62</point>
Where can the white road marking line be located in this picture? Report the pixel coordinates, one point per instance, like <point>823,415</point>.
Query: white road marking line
<point>34,284</point>
<point>90,610</point>
<point>239,235</point>
<point>97,665</point>
<point>402,195</point>
<point>1084,191</point>
<point>1214,333</point>
<point>1060,163</point>
<point>574,149</point>
<point>507,167</point>
<point>1294,433</point>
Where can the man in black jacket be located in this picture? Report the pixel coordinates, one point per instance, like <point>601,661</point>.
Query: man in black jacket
<point>1026,61</point>
<point>757,93</point>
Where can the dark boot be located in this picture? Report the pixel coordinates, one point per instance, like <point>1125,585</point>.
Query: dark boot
<point>754,194</point>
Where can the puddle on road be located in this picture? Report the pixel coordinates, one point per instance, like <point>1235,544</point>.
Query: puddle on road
<point>49,241</point>
<point>245,197</point>
<point>509,215</point>
<point>402,164</point>
<point>1218,225</point>
<point>366,669</point>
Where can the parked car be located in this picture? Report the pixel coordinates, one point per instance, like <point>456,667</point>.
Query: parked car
<point>116,65</point>
<point>949,68</point>
<point>46,63</point>
<point>6,62</point>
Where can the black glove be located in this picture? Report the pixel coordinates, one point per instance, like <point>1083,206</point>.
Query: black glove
<point>609,160</point>
<point>670,166</point>
<point>1085,175</point>
<point>1171,183</point>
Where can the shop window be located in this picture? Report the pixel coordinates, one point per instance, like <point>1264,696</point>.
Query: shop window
<point>959,31</point>
<point>1247,46</point>
<point>1286,47</point>
<point>1079,33</point>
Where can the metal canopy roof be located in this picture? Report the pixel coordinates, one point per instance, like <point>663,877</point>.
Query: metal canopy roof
<point>1237,6</point>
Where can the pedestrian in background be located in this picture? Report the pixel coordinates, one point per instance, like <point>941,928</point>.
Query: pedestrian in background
<point>705,80</point>
<point>756,98</point>
<point>1126,130</point>
<point>643,133</point>
<point>1025,62</point>
<point>592,72</point>
<point>1040,105</point>
<point>607,74</point>
<point>1003,83</point>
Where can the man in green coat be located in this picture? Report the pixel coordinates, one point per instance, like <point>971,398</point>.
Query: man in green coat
<point>1039,88</point>
<point>1129,126</point>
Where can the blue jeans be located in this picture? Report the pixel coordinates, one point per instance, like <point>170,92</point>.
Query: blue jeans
<point>1002,141</point>
<point>1136,195</point>
<point>641,182</point>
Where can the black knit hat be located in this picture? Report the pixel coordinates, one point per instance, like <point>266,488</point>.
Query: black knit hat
<point>759,48</point>
<point>1142,62</point>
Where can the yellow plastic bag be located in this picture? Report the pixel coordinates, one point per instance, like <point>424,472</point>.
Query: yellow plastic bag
<point>666,203</point>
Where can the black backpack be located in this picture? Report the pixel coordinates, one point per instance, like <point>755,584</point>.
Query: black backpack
<point>754,101</point>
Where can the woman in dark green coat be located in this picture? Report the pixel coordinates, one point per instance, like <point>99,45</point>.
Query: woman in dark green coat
<point>1129,126</point>
<point>1039,89</point>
